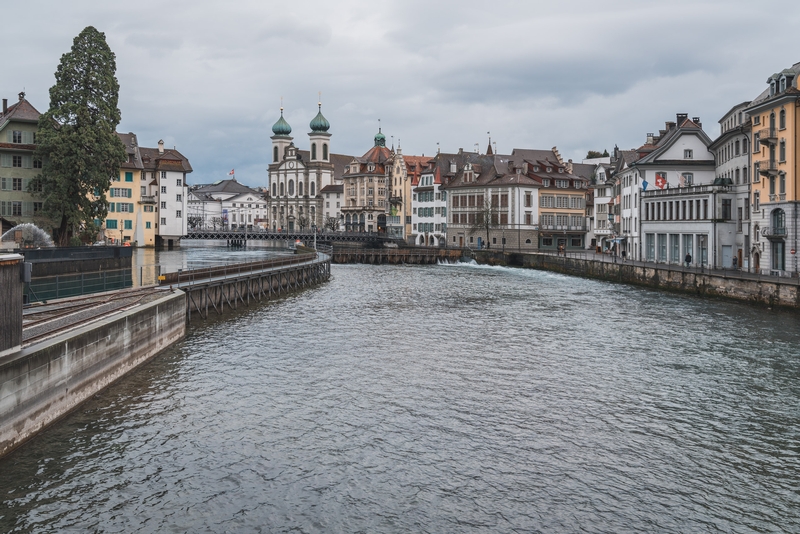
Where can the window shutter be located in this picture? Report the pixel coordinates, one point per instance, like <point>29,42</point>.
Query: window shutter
<point>27,162</point>
<point>27,138</point>
<point>10,136</point>
<point>130,205</point>
<point>5,159</point>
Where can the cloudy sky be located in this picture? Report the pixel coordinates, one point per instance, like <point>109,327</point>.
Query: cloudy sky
<point>207,77</point>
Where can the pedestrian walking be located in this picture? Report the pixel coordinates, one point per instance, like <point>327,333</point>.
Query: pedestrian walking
<point>688,259</point>
<point>735,261</point>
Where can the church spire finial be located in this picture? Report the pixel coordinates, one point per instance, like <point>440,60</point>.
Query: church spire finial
<point>489,151</point>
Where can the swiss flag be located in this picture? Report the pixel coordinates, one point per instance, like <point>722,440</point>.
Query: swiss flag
<point>661,180</point>
<point>230,173</point>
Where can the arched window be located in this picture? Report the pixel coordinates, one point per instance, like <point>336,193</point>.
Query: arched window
<point>313,189</point>
<point>274,153</point>
<point>300,188</point>
<point>274,189</point>
<point>745,176</point>
<point>325,151</point>
<point>291,187</point>
<point>313,151</point>
<point>782,151</point>
<point>778,218</point>
<point>772,120</point>
<point>782,119</point>
<point>281,188</point>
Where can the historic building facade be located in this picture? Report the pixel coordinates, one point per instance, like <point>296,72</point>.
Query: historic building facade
<point>775,116</point>
<point>18,165</point>
<point>296,177</point>
<point>366,189</point>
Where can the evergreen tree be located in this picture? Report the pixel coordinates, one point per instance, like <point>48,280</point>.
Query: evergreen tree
<point>77,138</point>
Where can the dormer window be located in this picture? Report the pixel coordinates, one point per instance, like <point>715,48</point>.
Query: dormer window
<point>546,182</point>
<point>452,167</point>
<point>561,170</point>
<point>783,84</point>
<point>549,169</point>
<point>772,88</point>
<point>371,167</point>
<point>688,153</point>
<point>535,168</point>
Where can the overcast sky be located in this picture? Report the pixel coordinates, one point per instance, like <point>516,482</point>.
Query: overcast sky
<point>207,77</point>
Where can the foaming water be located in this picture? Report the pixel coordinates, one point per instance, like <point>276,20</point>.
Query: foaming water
<point>442,399</point>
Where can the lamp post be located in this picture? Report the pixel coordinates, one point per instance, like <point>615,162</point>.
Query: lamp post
<point>314,229</point>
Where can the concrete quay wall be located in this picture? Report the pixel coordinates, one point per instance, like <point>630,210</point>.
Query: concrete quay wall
<point>44,382</point>
<point>768,292</point>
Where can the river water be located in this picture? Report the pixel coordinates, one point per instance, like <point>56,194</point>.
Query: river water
<point>438,399</point>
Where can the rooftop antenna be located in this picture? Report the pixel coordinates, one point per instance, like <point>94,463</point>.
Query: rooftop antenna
<point>437,147</point>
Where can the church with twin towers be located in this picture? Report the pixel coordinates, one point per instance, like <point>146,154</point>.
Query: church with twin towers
<point>297,177</point>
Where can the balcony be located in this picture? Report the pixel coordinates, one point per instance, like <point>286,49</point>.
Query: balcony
<point>147,199</point>
<point>768,167</point>
<point>768,136</point>
<point>396,200</point>
<point>773,231</point>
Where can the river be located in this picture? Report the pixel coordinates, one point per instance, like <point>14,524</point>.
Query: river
<point>438,399</point>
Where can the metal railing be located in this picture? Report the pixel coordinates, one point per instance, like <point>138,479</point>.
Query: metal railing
<point>235,269</point>
<point>773,231</point>
<point>71,285</point>
<point>767,135</point>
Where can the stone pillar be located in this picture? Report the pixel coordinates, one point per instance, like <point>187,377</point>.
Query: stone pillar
<point>10,303</point>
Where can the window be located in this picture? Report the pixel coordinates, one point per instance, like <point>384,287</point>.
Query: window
<point>37,207</point>
<point>179,198</point>
<point>325,151</point>
<point>313,151</point>
<point>291,187</point>
<point>178,214</point>
<point>782,151</point>
<point>147,225</point>
<point>163,188</point>
<point>756,201</point>
<point>274,153</point>
<point>782,120</point>
<point>16,161</point>
<point>16,184</point>
<point>128,176</point>
<point>687,154</point>
<point>726,209</point>
<point>163,221</point>
<point>687,179</point>
<point>16,136</point>
<point>111,224</point>
<point>128,225</point>
<point>163,175</point>
<point>37,163</point>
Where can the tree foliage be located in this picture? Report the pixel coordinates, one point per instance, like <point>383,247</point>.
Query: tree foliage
<point>332,224</point>
<point>594,154</point>
<point>77,138</point>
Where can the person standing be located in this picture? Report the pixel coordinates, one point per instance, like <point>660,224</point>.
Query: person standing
<point>688,259</point>
<point>735,262</point>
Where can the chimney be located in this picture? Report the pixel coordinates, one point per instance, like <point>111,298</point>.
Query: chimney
<point>650,137</point>
<point>460,151</point>
<point>160,146</point>
<point>681,117</point>
<point>696,120</point>
<point>5,106</point>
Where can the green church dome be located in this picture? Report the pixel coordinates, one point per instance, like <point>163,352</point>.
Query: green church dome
<point>320,123</point>
<point>380,139</point>
<point>281,127</point>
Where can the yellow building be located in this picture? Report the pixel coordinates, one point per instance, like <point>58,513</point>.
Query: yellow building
<point>132,209</point>
<point>775,115</point>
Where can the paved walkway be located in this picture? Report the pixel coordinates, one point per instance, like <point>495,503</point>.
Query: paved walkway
<point>726,273</point>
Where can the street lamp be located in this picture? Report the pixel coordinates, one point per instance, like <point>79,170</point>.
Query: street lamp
<point>314,229</point>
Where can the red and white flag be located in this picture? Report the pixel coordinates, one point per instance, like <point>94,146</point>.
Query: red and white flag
<point>661,180</point>
<point>230,173</point>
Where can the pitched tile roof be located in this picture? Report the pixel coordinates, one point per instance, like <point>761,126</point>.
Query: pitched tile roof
<point>20,111</point>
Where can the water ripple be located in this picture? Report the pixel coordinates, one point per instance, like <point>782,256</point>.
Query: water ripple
<point>438,399</point>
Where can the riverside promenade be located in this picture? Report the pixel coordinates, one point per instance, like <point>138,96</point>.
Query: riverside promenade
<point>697,280</point>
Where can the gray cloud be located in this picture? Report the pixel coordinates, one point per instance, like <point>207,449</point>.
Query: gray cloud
<point>208,76</point>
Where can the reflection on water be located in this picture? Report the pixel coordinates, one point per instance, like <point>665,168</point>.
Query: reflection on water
<point>456,398</point>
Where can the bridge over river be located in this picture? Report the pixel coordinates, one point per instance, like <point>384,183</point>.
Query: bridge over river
<point>242,236</point>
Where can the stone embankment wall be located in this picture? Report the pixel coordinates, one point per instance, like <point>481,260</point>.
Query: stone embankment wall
<point>769,292</point>
<point>42,383</point>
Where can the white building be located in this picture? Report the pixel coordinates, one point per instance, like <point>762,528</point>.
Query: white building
<point>732,153</point>
<point>227,204</point>
<point>167,169</point>
<point>684,208</point>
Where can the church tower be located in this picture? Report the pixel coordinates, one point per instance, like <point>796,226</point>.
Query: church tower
<point>320,138</point>
<point>281,140</point>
